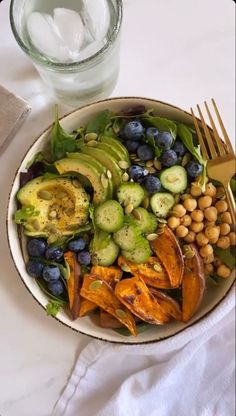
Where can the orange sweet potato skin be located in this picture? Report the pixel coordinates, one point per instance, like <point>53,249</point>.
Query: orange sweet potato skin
<point>168,304</point>
<point>193,285</point>
<point>168,250</point>
<point>135,295</point>
<point>86,306</point>
<point>109,321</point>
<point>73,284</point>
<point>111,274</point>
<point>99,292</point>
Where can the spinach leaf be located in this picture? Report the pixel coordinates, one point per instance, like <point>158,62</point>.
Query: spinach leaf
<point>43,286</point>
<point>61,141</point>
<point>22,215</point>
<point>162,124</point>
<point>53,307</point>
<point>99,123</point>
<point>38,157</point>
<point>157,150</point>
<point>226,255</point>
<point>213,279</point>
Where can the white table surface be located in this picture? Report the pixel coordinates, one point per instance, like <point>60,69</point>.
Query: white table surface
<point>178,51</point>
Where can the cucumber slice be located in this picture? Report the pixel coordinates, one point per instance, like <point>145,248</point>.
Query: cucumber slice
<point>128,237</point>
<point>105,256</point>
<point>130,193</point>
<point>140,254</point>
<point>146,221</point>
<point>161,203</point>
<point>109,216</point>
<point>174,179</point>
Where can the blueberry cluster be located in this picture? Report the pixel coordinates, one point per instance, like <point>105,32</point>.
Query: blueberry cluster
<point>39,252</point>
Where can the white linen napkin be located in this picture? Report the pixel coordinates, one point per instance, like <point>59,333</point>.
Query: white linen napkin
<point>190,374</point>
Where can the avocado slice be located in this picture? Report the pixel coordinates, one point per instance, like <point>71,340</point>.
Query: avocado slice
<point>108,161</point>
<point>117,146</point>
<point>61,206</point>
<point>77,165</point>
<point>110,150</point>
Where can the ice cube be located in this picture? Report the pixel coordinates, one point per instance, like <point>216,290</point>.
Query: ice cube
<point>70,28</point>
<point>96,18</point>
<point>91,49</point>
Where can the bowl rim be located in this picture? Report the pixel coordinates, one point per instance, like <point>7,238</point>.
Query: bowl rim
<point>162,338</point>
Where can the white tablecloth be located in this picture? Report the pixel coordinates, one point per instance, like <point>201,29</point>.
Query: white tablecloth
<point>179,51</point>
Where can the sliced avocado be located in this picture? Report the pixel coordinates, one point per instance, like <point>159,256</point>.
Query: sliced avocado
<point>117,146</point>
<point>61,206</point>
<point>108,161</point>
<point>108,149</point>
<point>76,165</point>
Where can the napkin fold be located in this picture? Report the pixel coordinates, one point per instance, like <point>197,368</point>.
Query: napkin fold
<point>190,374</point>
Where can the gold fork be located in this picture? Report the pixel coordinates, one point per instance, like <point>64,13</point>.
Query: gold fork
<point>219,154</point>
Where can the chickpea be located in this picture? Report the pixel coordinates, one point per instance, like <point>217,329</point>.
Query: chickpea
<point>232,237</point>
<point>226,217</point>
<point>206,250</point>
<point>221,206</point>
<point>210,189</point>
<point>212,233</point>
<point>201,239</point>
<point>197,227</point>
<point>208,259</point>
<point>208,269</point>
<point>223,271</point>
<point>181,231</point>
<point>209,223</point>
<point>190,204</point>
<point>205,202</point>
<point>195,189</point>
<point>210,214</point>
<point>223,242</point>
<point>190,237</point>
<point>173,222</point>
<point>186,220</point>
<point>224,228</point>
<point>197,215</point>
<point>198,178</point>
<point>179,210</point>
<point>185,196</point>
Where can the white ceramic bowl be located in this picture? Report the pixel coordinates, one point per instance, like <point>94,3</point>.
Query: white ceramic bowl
<point>85,325</point>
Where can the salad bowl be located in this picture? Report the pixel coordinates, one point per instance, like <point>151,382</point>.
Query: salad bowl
<point>213,294</point>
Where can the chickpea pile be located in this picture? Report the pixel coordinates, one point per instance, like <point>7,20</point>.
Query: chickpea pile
<point>203,218</point>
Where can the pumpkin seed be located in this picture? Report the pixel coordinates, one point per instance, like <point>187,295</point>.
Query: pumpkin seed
<point>125,177</point>
<point>52,238</point>
<point>96,284</point>
<point>186,159</point>
<point>104,181</point>
<point>149,163</point>
<point>188,251</point>
<point>127,201</point>
<point>92,143</point>
<point>76,183</point>
<point>90,136</point>
<point>157,164</point>
<point>109,174</point>
<point>157,267</point>
<point>129,208</point>
<point>146,202</point>
<point>151,170</point>
<point>36,224</point>
<point>52,215</point>
<point>45,195</point>
<point>69,212</point>
<point>137,159</point>
<point>137,214</point>
<point>162,221</point>
<point>132,156</point>
<point>120,313</point>
<point>123,164</point>
<point>55,207</point>
<point>61,195</point>
<point>152,237</point>
<point>125,268</point>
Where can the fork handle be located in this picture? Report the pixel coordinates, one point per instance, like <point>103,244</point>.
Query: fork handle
<point>231,201</point>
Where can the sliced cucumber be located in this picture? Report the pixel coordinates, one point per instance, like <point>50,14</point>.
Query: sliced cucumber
<point>161,203</point>
<point>128,237</point>
<point>174,179</point>
<point>140,254</point>
<point>146,221</point>
<point>130,193</point>
<point>109,216</point>
<point>105,256</point>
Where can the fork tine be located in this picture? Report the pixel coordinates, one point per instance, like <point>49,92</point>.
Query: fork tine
<point>199,135</point>
<point>225,134</point>
<point>217,138</point>
<point>208,136</point>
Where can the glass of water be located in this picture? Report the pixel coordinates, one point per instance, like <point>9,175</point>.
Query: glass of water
<point>74,44</point>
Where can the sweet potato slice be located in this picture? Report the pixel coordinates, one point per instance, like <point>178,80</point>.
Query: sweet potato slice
<point>109,321</point>
<point>168,304</point>
<point>193,285</point>
<point>168,250</point>
<point>86,306</point>
<point>135,295</point>
<point>99,292</point>
<point>111,274</point>
<point>73,284</point>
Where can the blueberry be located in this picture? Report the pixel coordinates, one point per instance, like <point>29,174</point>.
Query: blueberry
<point>131,145</point>
<point>77,245</point>
<point>169,158</point>
<point>54,253</point>
<point>34,268</point>
<point>137,173</point>
<point>179,148</point>
<point>84,258</point>
<point>56,288</point>
<point>133,130</point>
<point>51,273</point>
<point>36,247</point>
<point>145,152</point>
<point>152,132</point>
<point>152,184</point>
<point>164,140</point>
<point>194,168</point>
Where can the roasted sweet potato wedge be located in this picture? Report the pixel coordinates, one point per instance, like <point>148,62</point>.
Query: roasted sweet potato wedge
<point>73,284</point>
<point>167,249</point>
<point>168,304</point>
<point>109,321</point>
<point>193,285</point>
<point>136,296</point>
<point>152,272</point>
<point>110,274</point>
<point>86,306</point>
<point>99,292</point>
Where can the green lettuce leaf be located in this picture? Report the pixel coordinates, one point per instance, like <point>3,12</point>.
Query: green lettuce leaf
<point>22,215</point>
<point>98,124</point>
<point>53,307</point>
<point>226,255</point>
<point>162,124</point>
